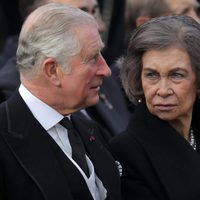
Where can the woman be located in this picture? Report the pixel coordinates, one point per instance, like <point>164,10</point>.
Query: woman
<point>159,151</point>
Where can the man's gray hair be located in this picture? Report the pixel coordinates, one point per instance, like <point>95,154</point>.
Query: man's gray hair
<point>50,31</point>
<point>159,33</point>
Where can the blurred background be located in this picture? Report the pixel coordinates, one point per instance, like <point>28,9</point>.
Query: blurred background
<point>113,14</point>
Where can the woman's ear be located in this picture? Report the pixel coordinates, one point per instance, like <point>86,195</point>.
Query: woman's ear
<point>51,70</point>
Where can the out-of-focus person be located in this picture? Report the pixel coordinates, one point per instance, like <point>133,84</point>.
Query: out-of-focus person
<point>89,6</point>
<point>46,151</point>
<point>159,151</point>
<point>184,7</point>
<point>139,11</point>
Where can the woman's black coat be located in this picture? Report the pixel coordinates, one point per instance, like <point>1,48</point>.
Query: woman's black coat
<point>158,163</point>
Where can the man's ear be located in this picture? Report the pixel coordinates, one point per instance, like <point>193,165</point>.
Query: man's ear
<point>140,20</point>
<point>51,70</point>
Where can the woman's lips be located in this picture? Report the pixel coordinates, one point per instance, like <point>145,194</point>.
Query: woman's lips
<point>164,107</point>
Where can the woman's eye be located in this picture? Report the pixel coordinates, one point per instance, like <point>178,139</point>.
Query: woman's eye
<point>152,75</point>
<point>176,75</point>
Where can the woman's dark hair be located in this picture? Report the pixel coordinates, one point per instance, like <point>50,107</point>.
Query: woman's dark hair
<point>159,33</point>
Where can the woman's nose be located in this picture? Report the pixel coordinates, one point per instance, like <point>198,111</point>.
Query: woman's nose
<point>164,88</point>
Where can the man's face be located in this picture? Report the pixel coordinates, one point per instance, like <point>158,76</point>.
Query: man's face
<point>184,7</point>
<point>89,6</point>
<point>80,88</point>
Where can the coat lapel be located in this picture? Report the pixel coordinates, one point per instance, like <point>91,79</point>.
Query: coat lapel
<point>175,162</point>
<point>44,161</point>
<point>32,147</point>
<point>99,155</point>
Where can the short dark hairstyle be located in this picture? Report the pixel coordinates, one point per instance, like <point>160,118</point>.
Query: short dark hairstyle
<point>159,33</point>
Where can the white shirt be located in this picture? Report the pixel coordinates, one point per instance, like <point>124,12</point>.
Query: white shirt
<point>49,120</point>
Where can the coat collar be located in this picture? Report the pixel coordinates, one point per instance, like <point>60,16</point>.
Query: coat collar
<point>35,151</point>
<point>175,162</point>
<point>32,147</point>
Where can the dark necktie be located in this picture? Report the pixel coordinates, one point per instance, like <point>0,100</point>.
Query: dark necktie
<point>78,150</point>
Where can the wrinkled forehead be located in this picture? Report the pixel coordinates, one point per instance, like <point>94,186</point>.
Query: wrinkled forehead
<point>88,32</point>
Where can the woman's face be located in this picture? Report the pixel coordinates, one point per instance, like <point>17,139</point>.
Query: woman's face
<point>169,83</point>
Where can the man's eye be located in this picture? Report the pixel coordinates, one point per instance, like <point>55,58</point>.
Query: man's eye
<point>94,60</point>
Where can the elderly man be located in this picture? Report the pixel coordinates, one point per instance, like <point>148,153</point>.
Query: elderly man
<point>46,152</point>
<point>112,111</point>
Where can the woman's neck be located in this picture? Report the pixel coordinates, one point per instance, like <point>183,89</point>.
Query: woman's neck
<point>182,126</point>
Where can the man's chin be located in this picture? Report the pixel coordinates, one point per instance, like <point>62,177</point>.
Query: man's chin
<point>93,101</point>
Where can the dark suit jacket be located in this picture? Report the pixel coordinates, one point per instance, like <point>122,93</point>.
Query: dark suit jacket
<point>158,163</point>
<point>32,166</point>
<point>115,120</point>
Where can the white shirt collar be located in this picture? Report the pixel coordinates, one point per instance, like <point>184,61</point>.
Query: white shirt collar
<point>46,115</point>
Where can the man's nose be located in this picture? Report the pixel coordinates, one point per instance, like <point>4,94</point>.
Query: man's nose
<point>104,69</point>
